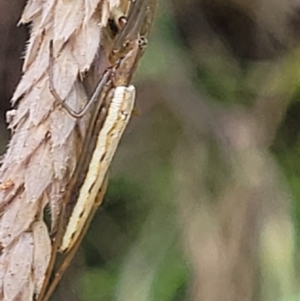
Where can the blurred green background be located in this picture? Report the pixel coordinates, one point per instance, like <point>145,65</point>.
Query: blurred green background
<point>204,194</point>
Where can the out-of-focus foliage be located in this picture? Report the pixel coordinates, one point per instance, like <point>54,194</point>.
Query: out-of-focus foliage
<point>204,194</point>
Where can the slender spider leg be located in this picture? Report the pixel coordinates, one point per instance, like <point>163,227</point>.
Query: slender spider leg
<point>55,94</point>
<point>130,32</point>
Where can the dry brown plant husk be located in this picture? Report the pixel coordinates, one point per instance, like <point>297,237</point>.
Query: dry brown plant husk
<point>46,141</point>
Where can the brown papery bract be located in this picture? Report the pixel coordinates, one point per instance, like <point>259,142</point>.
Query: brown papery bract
<point>46,140</point>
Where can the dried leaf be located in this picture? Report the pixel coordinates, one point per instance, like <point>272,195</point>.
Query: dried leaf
<point>41,109</point>
<point>16,219</point>
<point>85,55</point>
<point>27,291</point>
<point>47,16</point>
<point>65,72</point>
<point>68,15</point>
<point>32,48</point>
<point>18,272</point>
<point>90,7</point>
<point>21,149</point>
<point>42,253</point>
<point>32,8</point>
<point>39,173</point>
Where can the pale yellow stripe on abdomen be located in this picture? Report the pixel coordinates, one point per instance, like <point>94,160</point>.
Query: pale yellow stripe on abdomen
<point>119,113</point>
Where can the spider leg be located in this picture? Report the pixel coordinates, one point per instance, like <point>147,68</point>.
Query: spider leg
<point>55,94</point>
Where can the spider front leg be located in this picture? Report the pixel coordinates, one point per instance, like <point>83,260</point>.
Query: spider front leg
<point>102,82</point>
